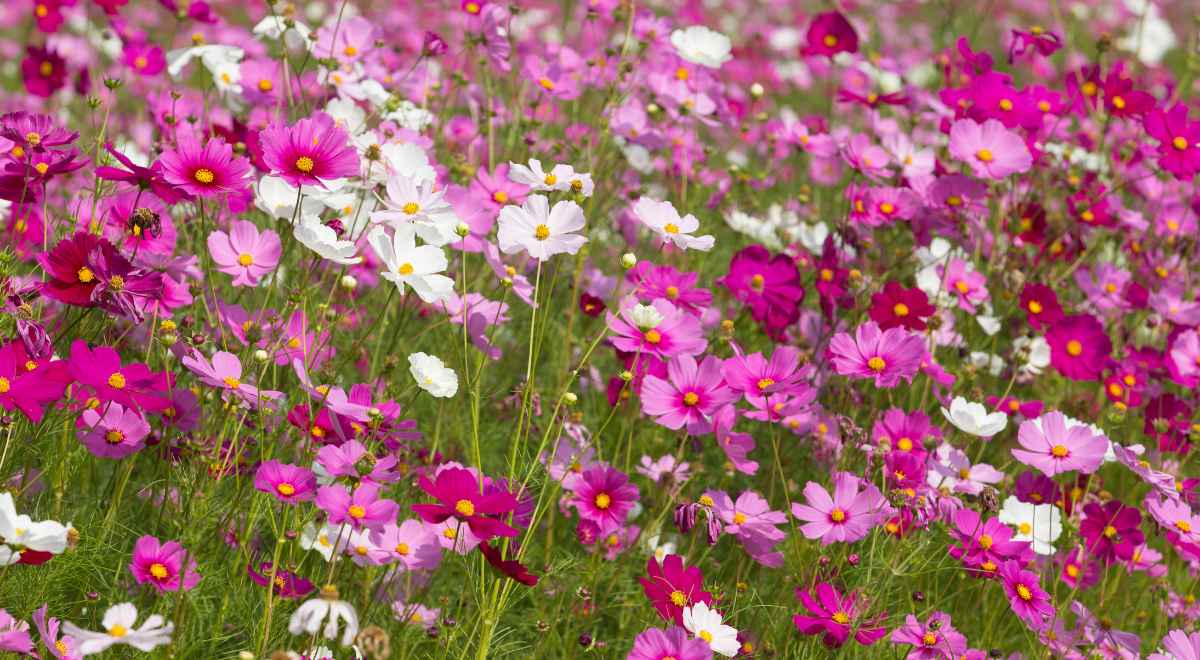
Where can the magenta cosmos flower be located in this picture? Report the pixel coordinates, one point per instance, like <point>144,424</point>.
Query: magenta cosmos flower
<point>208,170</point>
<point>768,284</point>
<point>245,253</point>
<point>886,356</point>
<point>286,483</point>
<point>835,615</point>
<point>458,494</point>
<point>162,565</point>
<point>660,329</point>
<point>1112,530</point>
<point>310,152</point>
<point>132,385</point>
<point>671,587</point>
<point>604,495</point>
<point>896,306</point>
<point>116,433</point>
<point>992,151</point>
<point>362,509</point>
<point>759,379</point>
<point>829,34</point>
<point>225,373</point>
<point>1054,443</point>
<point>1079,347</point>
<point>933,639</point>
<point>690,395</point>
<point>1025,595</point>
<point>670,644</point>
<point>847,516</point>
<point>1179,140</point>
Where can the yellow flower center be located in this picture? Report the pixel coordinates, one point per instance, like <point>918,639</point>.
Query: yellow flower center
<point>464,508</point>
<point>962,286</point>
<point>541,232</point>
<point>985,541</point>
<point>1118,102</point>
<point>739,518</point>
<point>550,179</point>
<point>929,639</point>
<point>954,200</point>
<point>42,168</point>
<point>546,83</point>
<point>1089,88</point>
<point>1110,531</point>
<point>765,383</point>
<point>904,444</point>
<point>118,631</point>
<point>204,175</point>
<point>305,164</point>
<point>887,208</point>
<point>46,69</point>
<point>5,385</point>
<point>900,309</point>
<point>286,489</point>
<point>350,51</point>
<point>837,515</point>
<point>1024,592</point>
<point>841,617</point>
<point>356,512</point>
<point>402,549</point>
<point>232,383</point>
<point>603,501</point>
<point>1006,105</point>
<point>117,380</point>
<point>265,85</point>
<point>1180,143</point>
<point>1025,528</point>
<point>678,598</point>
<point>114,437</point>
<point>671,228</point>
<point>1035,307</point>
<point>705,635</point>
<point>876,363</point>
<point>1059,451</point>
<point>1072,570</point>
<point>672,292</point>
<point>652,336</point>
<point>245,259</point>
<point>985,155</point>
<point>405,269</point>
<point>829,40</point>
<point>691,399</point>
<point>1183,526</point>
<point>41,10</point>
<point>826,275</point>
<point>1074,348</point>
<point>500,196</point>
<point>158,571</point>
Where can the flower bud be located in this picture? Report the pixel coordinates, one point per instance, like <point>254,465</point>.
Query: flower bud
<point>570,398</point>
<point>261,356</point>
<point>627,375</point>
<point>628,260</point>
<point>462,229</point>
<point>756,90</point>
<point>349,282</point>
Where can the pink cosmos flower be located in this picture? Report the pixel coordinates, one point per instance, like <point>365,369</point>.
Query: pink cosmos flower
<point>689,396</point>
<point>225,373</point>
<point>540,230</point>
<point>1179,645</point>
<point>208,170</point>
<point>933,639</point>
<point>654,281</point>
<point>132,385</point>
<point>1183,359</point>
<point>1025,594</point>
<point>829,34</point>
<point>752,521</point>
<point>847,516</point>
<point>63,648</point>
<point>834,615</point>
<point>286,483</point>
<point>737,446</point>
<point>362,509</point>
<point>145,59</point>
<point>410,545</point>
<point>759,380</point>
<point>1179,140</point>
<point>459,497</point>
<point>886,356</point>
<point>967,285</point>
<point>311,152</point>
<point>769,284</point>
<point>14,635</point>
<point>664,221</point>
<point>674,642</point>
<point>245,253</point>
<point>992,151</point>
<point>1112,530</point>
<point>985,545</point>
<point>671,587</point>
<point>1079,347</point>
<point>162,565</point>
<point>351,459</point>
<point>1055,444</point>
<point>659,329</point>
<point>952,471</point>
<point>604,495</point>
<point>113,432</point>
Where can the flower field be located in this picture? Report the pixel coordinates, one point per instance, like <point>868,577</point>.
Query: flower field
<point>646,329</point>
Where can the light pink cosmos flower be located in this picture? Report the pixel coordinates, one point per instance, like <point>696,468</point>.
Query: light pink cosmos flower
<point>690,396</point>
<point>244,252</point>
<point>952,471</point>
<point>1179,645</point>
<point>659,329</point>
<point>665,470</point>
<point>1183,359</point>
<point>539,230</point>
<point>116,433</point>
<point>759,379</point>
<point>225,372</point>
<point>992,151</point>
<point>886,356</point>
<point>846,517</point>
<point>752,521</point>
<point>1054,444</point>
<point>362,509</point>
<point>411,545</point>
<point>664,220</point>
<point>965,284</point>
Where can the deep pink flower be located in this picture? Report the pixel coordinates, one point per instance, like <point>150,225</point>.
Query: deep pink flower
<point>284,583</point>
<point>145,59</point>
<point>985,545</point>
<point>113,431</point>
<point>670,644</point>
<point>458,494</point>
<point>671,587</point>
<point>311,152</point>
<point>895,306</point>
<point>885,356</point>
<point>689,396</point>
<point>1079,347</point>
<point>664,331</point>
<point>759,379</point>
<point>829,34</point>
<point>990,149</point>
<point>933,639</point>
<point>1179,140</point>
<point>1025,594</point>
<point>1055,444</point>
<point>1041,305</point>
<point>1112,530</point>
<point>604,495</point>
<point>362,509</point>
<point>162,565</point>
<point>244,252</point>
<point>43,71</point>
<point>132,385</point>
<point>208,170</point>
<point>30,385</point>
<point>286,483</point>
<point>654,281</point>
<point>847,516</point>
<point>837,616</point>
<point>769,284</point>
<point>1168,420</point>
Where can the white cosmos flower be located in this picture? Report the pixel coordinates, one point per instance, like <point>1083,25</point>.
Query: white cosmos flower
<point>277,198</point>
<point>308,618</point>
<point>645,316</point>
<point>119,628</point>
<point>812,237</point>
<point>324,241</point>
<point>1039,524</point>
<point>407,264</point>
<point>411,116</point>
<point>541,231</point>
<point>702,46</point>
<point>664,220</point>
<point>215,57</point>
<point>706,624</point>
<point>1038,354</point>
<point>432,375</point>
<point>415,202</point>
<point>763,231</point>
<point>532,175</point>
<point>405,159</point>
<point>19,531</point>
<point>347,115</point>
<point>294,32</point>
<point>323,539</point>
<point>972,418</point>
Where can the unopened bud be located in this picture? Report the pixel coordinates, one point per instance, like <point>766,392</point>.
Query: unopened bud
<point>628,260</point>
<point>462,229</point>
<point>756,90</point>
<point>349,282</point>
<point>570,398</point>
<point>261,356</point>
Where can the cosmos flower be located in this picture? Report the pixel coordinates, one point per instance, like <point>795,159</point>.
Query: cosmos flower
<point>163,565</point>
<point>671,587</point>
<point>244,252</point>
<point>286,483</point>
<point>540,230</point>
<point>208,170</point>
<point>886,356</point>
<point>656,644</point>
<point>991,150</point>
<point>836,617</point>
<point>846,516</point>
<point>459,497</point>
<point>974,419</point>
<point>689,396</point>
<point>120,627</point>
<point>664,221</point>
<point>1054,444</point>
